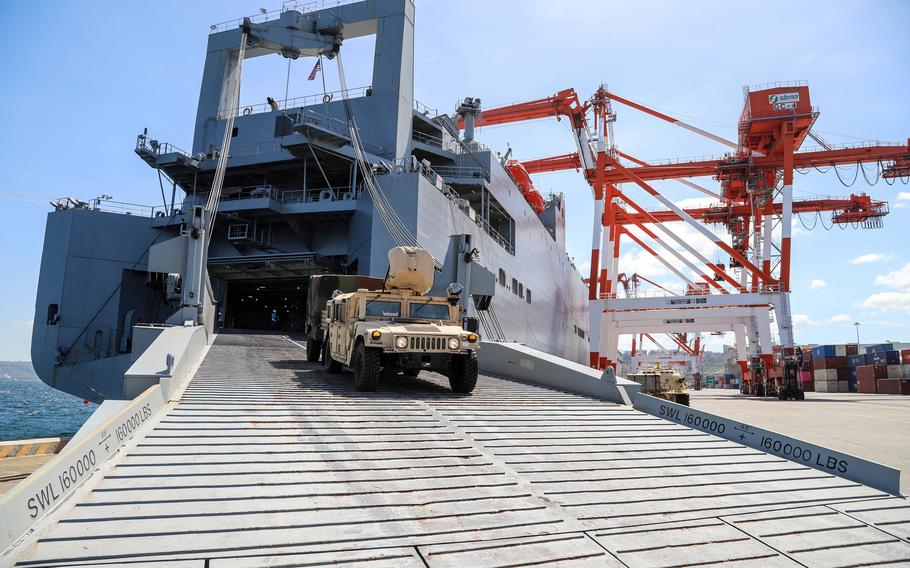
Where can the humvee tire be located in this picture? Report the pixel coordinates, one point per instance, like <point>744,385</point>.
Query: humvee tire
<point>367,367</point>
<point>313,350</point>
<point>331,366</point>
<point>411,372</point>
<point>463,375</point>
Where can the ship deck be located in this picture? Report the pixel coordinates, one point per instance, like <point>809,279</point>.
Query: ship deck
<point>266,460</point>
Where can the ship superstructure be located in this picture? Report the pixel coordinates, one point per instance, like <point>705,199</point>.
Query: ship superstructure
<point>293,202</point>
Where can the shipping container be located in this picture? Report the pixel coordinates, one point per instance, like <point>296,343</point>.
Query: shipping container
<point>893,386</point>
<point>843,386</point>
<point>830,386</point>
<point>840,350</point>
<point>866,385</point>
<point>852,349</point>
<point>905,371</point>
<point>824,351</point>
<point>872,372</point>
<point>895,371</point>
<point>882,347</point>
<point>808,386</point>
<point>855,360</point>
<point>905,357</point>
<point>886,358</point>
<point>823,376</point>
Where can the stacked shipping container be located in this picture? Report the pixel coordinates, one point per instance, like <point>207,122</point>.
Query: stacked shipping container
<point>885,370</point>
<point>882,368</point>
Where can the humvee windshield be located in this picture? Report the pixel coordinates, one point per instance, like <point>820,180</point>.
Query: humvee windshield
<point>383,308</point>
<point>429,311</point>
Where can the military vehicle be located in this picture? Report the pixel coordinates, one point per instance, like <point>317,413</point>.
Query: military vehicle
<point>662,382</point>
<point>399,328</point>
<point>320,291</point>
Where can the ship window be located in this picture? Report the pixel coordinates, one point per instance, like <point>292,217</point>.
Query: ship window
<point>502,277</point>
<point>234,132</point>
<point>528,295</point>
<point>515,286</point>
<point>521,290</point>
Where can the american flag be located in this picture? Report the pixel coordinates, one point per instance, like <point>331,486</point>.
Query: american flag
<point>316,69</point>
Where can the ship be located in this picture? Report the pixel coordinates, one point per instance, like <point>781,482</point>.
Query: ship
<point>320,184</point>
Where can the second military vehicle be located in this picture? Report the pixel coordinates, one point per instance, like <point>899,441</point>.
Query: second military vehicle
<point>662,382</point>
<point>398,328</point>
<point>321,288</point>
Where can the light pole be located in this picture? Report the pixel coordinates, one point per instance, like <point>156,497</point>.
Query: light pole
<point>857,324</point>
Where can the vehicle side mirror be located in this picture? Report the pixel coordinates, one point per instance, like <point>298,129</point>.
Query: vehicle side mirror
<point>472,325</point>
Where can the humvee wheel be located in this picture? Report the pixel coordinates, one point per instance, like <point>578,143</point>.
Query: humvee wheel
<point>411,372</point>
<point>463,374</point>
<point>332,366</point>
<point>367,368</point>
<point>313,350</point>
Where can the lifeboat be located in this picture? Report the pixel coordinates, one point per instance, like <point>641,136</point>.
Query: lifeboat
<point>522,179</point>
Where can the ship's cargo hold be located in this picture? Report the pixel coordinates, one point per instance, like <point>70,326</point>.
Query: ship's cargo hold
<point>895,371</point>
<point>855,360</point>
<point>893,386</point>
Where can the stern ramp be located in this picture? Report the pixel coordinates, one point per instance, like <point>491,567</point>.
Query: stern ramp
<point>266,461</point>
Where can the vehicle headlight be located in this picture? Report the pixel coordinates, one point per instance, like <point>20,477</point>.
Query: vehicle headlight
<point>454,343</point>
<point>376,334</point>
<point>472,338</point>
<point>401,342</point>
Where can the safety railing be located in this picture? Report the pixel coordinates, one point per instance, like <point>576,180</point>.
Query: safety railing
<point>152,146</point>
<point>296,102</point>
<point>344,193</point>
<point>111,206</point>
<point>424,109</point>
<point>287,6</point>
<point>462,172</point>
<point>777,84</point>
<point>426,139</point>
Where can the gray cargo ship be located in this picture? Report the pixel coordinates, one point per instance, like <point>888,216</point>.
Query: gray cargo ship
<point>297,195</point>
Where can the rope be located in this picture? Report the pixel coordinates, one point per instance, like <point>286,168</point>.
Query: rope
<point>399,232</point>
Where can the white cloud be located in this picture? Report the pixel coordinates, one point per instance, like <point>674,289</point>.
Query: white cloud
<point>804,320</point>
<point>904,196</point>
<point>818,283</point>
<point>899,279</point>
<point>871,257</point>
<point>801,319</point>
<point>899,206</point>
<point>888,302</point>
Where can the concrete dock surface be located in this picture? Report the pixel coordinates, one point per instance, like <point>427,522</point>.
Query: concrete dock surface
<point>871,426</point>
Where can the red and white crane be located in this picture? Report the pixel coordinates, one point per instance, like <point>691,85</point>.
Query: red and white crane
<point>755,200</point>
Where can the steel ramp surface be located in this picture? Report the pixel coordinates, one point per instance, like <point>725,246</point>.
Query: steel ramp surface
<point>266,460</point>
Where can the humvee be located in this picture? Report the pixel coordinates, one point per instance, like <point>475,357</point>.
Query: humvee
<point>399,329</point>
<point>662,382</point>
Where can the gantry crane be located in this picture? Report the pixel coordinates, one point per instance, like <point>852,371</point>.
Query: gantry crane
<point>756,180</point>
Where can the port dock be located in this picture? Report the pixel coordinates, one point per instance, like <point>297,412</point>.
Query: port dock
<point>266,460</point>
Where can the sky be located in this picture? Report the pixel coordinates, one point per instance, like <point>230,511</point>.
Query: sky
<point>81,80</point>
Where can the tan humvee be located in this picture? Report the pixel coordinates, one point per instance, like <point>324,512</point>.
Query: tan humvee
<point>400,328</point>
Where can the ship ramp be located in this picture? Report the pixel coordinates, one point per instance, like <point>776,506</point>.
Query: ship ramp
<point>264,460</point>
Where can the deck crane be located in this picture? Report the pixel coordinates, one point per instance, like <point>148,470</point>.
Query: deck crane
<point>756,179</point>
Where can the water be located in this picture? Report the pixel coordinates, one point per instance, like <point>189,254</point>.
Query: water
<point>31,409</point>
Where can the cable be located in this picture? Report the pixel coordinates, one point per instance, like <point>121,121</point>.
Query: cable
<point>845,184</point>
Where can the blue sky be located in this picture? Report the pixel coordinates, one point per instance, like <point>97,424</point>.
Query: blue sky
<point>80,81</point>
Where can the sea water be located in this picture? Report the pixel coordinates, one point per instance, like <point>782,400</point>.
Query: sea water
<point>31,409</point>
